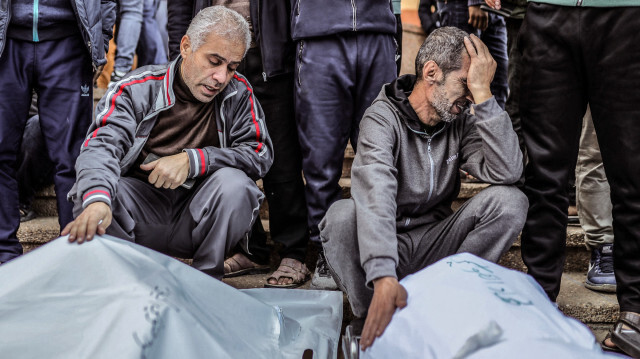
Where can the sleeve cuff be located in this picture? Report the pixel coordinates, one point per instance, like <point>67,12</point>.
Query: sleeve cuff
<point>379,267</point>
<point>197,162</point>
<point>96,194</point>
<point>487,109</point>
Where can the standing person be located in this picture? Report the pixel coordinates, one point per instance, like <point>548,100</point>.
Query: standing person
<point>571,58</point>
<point>491,28</point>
<point>345,53</point>
<point>151,47</point>
<point>268,66</point>
<point>53,48</point>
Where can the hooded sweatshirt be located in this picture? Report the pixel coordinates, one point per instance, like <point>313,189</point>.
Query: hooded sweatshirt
<point>405,176</point>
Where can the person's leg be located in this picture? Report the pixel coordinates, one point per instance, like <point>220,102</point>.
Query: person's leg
<point>514,73</point>
<point>376,67</point>
<point>129,25</point>
<point>63,80</point>
<point>456,13</point>
<point>495,37</point>
<point>486,226</point>
<point>151,49</point>
<point>340,245</point>
<point>218,215</point>
<point>324,112</point>
<point>179,15</point>
<point>284,188</point>
<point>593,201</point>
<point>613,69</point>
<point>552,105</point>
<point>593,195</point>
<point>16,70</point>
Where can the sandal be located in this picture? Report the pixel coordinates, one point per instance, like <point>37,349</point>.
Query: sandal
<point>626,334</point>
<point>608,348</point>
<point>239,264</point>
<point>289,268</point>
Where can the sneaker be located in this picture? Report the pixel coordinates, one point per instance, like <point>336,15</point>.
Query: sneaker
<point>26,213</point>
<point>322,278</point>
<point>116,76</point>
<point>600,276</point>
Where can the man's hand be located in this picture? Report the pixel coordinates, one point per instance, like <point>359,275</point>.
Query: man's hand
<point>478,18</point>
<point>481,70</point>
<point>494,4</point>
<point>168,172</point>
<point>388,295</point>
<point>93,219</point>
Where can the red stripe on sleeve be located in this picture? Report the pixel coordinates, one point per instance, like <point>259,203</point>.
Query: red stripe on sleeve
<point>202,167</point>
<point>95,133</point>
<point>96,191</point>
<point>121,89</point>
<point>253,114</point>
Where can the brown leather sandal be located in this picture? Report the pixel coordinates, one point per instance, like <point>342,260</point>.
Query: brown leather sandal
<point>626,334</point>
<point>239,264</point>
<point>289,268</point>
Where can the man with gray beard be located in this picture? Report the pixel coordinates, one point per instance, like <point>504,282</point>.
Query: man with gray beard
<point>413,139</point>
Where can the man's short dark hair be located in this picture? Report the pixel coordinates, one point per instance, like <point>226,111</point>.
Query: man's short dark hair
<point>445,47</point>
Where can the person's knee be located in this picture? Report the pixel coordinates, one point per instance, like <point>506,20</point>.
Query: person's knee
<point>235,189</point>
<point>340,217</point>
<point>511,203</point>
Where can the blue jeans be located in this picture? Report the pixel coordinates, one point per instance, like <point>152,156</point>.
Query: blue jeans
<point>151,47</point>
<point>128,32</point>
<point>456,13</point>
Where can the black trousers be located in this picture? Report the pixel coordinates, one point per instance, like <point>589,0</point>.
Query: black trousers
<point>283,184</point>
<point>574,56</point>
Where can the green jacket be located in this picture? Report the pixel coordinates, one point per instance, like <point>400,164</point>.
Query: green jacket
<point>592,3</point>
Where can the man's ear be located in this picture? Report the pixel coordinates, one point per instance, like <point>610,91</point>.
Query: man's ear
<point>430,72</point>
<point>185,46</point>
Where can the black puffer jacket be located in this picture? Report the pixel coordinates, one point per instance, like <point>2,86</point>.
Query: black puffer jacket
<point>95,20</point>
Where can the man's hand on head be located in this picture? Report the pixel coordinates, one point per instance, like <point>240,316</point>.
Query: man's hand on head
<point>93,219</point>
<point>481,69</point>
<point>168,172</point>
<point>388,295</point>
<point>478,18</point>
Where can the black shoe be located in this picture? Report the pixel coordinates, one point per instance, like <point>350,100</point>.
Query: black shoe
<point>26,213</point>
<point>600,276</point>
<point>322,278</point>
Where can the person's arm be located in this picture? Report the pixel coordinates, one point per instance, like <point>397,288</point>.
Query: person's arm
<point>249,149</point>
<point>374,189</point>
<point>108,11</point>
<point>98,165</point>
<point>489,147</point>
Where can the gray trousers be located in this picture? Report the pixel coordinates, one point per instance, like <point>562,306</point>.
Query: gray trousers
<point>203,223</point>
<point>486,225</point>
<point>593,195</point>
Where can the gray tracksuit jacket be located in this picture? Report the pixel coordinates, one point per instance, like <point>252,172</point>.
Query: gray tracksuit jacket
<point>127,113</point>
<point>402,177</point>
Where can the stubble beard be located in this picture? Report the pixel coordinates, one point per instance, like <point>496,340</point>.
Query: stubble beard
<point>443,106</point>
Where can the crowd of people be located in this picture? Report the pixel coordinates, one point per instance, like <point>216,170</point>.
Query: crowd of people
<point>510,93</point>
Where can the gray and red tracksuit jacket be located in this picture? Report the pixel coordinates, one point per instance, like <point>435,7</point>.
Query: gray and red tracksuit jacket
<point>127,113</point>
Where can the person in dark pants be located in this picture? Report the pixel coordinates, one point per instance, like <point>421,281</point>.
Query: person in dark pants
<point>53,49</point>
<point>268,66</point>
<point>491,28</point>
<point>345,53</point>
<point>574,56</point>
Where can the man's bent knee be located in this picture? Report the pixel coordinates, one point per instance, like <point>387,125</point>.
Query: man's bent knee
<point>340,221</point>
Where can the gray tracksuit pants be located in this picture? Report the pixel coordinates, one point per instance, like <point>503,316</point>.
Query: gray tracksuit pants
<point>202,223</point>
<point>486,225</point>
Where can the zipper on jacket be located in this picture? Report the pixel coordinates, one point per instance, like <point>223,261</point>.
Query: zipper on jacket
<point>264,76</point>
<point>430,169</point>
<point>36,38</point>
<point>355,14</point>
<point>579,3</point>
<point>300,61</point>
<point>298,10</point>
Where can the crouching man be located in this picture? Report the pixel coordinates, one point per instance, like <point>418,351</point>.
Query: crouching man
<point>413,139</point>
<point>171,159</point>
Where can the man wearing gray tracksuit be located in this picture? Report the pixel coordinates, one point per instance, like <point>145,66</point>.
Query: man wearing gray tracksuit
<point>413,139</point>
<point>197,197</point>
